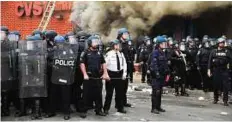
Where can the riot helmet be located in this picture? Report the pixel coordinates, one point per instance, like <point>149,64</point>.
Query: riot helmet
<point>147,40</point>
<point>14,36</point>
<point>93,42</point>
<point>124,34</point>
<point>161,41</point>
<point>4,32</point>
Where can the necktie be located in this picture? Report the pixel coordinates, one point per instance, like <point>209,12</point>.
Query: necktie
<point>118,62</point>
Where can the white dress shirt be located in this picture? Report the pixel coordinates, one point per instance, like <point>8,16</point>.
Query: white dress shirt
<point>111,62</point>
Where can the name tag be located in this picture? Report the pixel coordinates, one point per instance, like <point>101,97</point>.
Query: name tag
<point>62,81</point>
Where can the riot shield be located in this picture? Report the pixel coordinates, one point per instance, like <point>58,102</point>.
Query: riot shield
<point>63,65</point>
<point>73,44</point>
<point>6,66</point>
<point>13,41</point>
<point>32,67</point>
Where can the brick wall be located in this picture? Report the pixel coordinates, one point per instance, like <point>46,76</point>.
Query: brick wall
<point>26,24</point>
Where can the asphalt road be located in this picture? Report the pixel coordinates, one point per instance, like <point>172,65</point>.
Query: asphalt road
<point>177,108</point>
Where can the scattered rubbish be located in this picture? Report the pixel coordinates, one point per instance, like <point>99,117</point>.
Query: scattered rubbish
<point>224,113</point>
<point>201,98</point>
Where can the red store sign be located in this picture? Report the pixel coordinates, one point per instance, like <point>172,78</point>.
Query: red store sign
<point>37,8</point>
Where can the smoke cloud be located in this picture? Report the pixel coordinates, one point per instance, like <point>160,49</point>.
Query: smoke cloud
<point>106,18</point>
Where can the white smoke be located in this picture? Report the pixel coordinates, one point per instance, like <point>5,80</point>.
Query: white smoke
<point>106,18</point>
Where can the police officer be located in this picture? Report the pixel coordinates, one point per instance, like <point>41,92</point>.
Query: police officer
<point>180,68</point>
<point>32,86</point>
<point>219,60</point>
<point>7,73</point>
<point>82,38</point>
<point>132,52</point>
<point>202,59</point>
<point>159,70</point>
<point>193,81</point>
<point>93,67</point>
<point>14,37</point>
<point>48,36</point>
<point>72,41</point>
<point>146,49</point>
<point>117,70</point>
<point>62,77</point>
<point>124,37</point>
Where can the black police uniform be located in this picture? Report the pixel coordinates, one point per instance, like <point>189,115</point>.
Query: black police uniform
<point>125,51</point>
<point>92,88</point>
<point>193,79</point>
<point>179,71</point>
<point>144,54</point>
<point>218,63</point>
<point>202,59</point>
<point>132,53</point>
<point>62,78</point>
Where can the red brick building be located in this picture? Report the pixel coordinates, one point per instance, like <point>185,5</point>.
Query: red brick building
<point>26,16</point>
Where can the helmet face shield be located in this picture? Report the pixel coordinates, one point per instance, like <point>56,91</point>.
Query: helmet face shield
<point>148,42</point>
<point>13,37</point>
<point>72,40</point>
<point>3,35</point>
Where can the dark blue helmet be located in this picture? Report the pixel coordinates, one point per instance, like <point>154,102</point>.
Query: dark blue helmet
<point>15,32</point>
<point>90,39</point>
<point>37,32</point>
<point>160,39</point>
<point>122,30</point>
<point>59,39</point>
<point>4,28</point>
<point>33,38</point>
<point>114,42</point>
<point>50,34</point>
<point>68,34</point>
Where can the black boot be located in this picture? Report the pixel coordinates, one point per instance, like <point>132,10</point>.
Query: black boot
<point>22,111</point>
<point>161,110</point>
<point>67,117</point>
<point>5,105</point>
<point>83,115</point>
<point>36,114</point>
<point>215,101</point>
<point>155,111</point>
<point>100,113</point>
<point>122,111</point>
<point>226,104</point>
<point>48,115</point>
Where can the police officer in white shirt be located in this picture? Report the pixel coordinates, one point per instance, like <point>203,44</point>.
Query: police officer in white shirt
<point>117,70</point>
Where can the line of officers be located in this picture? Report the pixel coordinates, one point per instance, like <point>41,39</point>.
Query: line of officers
<point>49,72</point>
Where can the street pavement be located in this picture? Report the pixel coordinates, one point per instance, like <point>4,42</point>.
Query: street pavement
<point>197,107</point>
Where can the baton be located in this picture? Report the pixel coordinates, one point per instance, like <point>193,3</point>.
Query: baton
<point>110,78</point>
